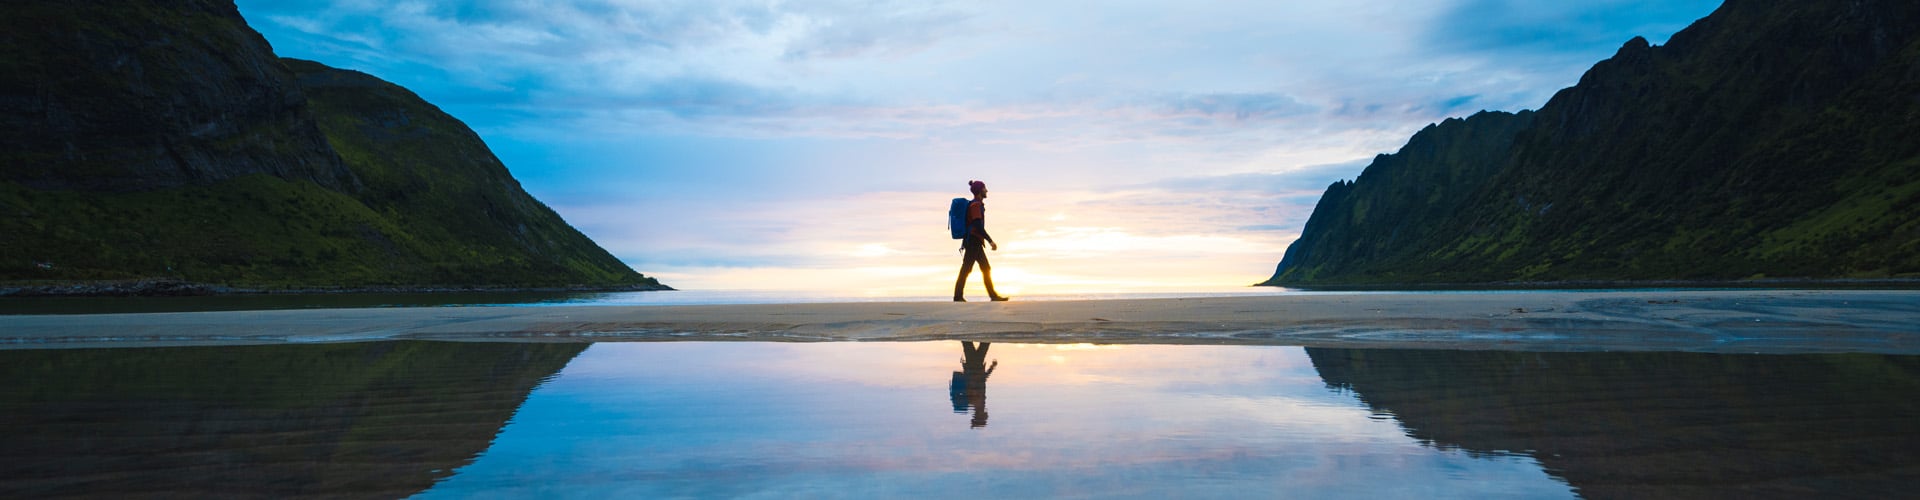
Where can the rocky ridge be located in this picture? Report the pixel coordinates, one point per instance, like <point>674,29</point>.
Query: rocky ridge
<point>1767,140</point>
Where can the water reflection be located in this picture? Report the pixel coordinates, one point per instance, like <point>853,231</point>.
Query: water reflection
<point>729,419</point>
<point>1659,424</point>
<point>361,420</point>
<point>969,385</point>
<point>738,419</point>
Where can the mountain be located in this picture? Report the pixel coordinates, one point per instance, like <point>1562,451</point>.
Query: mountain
<point>1410,192</point>
<point>1769,139</point>
<point>164,139</point>
<point>123,96</point>
<point>455,204</point>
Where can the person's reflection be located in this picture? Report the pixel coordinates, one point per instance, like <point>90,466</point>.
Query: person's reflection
<point>969,386</point>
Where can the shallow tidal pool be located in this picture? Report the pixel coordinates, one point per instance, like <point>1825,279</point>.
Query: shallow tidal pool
<point>948,419</point>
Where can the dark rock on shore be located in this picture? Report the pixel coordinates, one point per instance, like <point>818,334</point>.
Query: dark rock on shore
<point>135,288</point>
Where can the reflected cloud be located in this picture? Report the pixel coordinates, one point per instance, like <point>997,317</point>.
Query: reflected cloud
<point>706,419</point>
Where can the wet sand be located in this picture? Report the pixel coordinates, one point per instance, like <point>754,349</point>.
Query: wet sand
<point>1730,321</point>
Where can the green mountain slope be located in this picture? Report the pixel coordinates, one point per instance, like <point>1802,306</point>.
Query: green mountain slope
<point>464,216</point>
<point>1769,139</point>
<point>1409,193</point>
<point>165,140</point>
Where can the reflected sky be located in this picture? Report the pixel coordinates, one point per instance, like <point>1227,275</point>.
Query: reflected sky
<point>765,419</point>
<point>847,419</point>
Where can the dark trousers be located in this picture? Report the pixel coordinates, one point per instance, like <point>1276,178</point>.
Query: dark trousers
<point>974,253</point>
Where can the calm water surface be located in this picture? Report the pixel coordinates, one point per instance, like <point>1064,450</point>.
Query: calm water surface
<point>947,419</point>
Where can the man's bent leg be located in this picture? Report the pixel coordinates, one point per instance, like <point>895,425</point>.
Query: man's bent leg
<point>986,275</point>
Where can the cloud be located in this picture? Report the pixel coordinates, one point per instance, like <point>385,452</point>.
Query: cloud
<point>1228,204</point>
<point>852,69</point>
<point>724,60</point>
<point>684,98</point>
<point>1240,77</point>
<point>707,137</point>
<point>1239,106</point>
<point>836,30</point>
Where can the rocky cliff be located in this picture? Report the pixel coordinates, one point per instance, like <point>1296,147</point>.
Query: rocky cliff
<point>1769,139</point>
<point>1409,193</point>
<point>163,139</point>
<point>140,95</point>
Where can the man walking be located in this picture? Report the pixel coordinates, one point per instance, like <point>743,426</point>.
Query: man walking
<point>976,233</point>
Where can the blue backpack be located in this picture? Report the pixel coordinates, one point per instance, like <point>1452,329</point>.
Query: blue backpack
<point>957,218</point>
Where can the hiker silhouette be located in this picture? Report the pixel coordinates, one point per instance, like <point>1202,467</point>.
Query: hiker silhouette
<point>971,245</point>
<point>969,385</point>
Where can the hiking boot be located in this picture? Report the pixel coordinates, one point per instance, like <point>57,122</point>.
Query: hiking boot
<point>1001,298</point>
<point>958,299</point>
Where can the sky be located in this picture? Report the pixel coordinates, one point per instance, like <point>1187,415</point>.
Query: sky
<point>815,145</point>
<point>876,419</point>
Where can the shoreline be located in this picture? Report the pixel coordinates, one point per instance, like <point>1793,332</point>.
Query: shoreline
<point>178,288</point>
<point>1726,321</point>
<point>1577,285</point>
<point>162,287</point>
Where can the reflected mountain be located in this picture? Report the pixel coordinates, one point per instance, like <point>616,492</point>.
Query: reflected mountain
<point>378,419</point>
<point>1659,424</point>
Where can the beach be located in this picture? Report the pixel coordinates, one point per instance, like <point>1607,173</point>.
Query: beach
<point>1722,321</point>
<point>1534,394</point>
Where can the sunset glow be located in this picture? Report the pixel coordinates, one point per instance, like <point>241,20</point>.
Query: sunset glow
<point>814,145</point>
